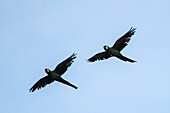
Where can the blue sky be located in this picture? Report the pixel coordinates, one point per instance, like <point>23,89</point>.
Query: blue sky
<point>36,34</point>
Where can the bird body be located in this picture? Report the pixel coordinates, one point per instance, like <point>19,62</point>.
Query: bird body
<point>54,75</point>
<point>114,52</point>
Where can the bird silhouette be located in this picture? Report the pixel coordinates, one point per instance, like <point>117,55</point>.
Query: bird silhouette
<point>55,75</point>
<point>115,49</point>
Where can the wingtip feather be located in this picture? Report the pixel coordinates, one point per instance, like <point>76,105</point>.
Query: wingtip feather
<point>132,29</point>
<point>73,56</point>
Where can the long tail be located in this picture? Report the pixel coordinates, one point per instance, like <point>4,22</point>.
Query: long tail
<point>126,59</point>
<point>67,83</point>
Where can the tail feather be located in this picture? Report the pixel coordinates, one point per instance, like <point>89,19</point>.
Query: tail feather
<point>126,59</point>
<point>67,83</point>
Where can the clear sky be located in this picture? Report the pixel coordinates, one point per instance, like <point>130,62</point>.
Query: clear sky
<point>36,34</point>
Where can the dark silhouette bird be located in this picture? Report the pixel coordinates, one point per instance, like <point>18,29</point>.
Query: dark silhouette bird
<point>115,49</point>
<point>55,75</point>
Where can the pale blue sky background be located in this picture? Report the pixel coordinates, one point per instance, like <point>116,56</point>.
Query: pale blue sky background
<point>36,34</point>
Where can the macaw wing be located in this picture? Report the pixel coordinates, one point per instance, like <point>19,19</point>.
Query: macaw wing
<point>63,66</point>
<point>41,83</point>
<point>100,56</point>
<point>123,41</point>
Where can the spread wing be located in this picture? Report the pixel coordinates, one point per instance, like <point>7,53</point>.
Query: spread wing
<point>62,67</point>
<point>41,83</point>
<point>123,41</point>
<point>100,56</point>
